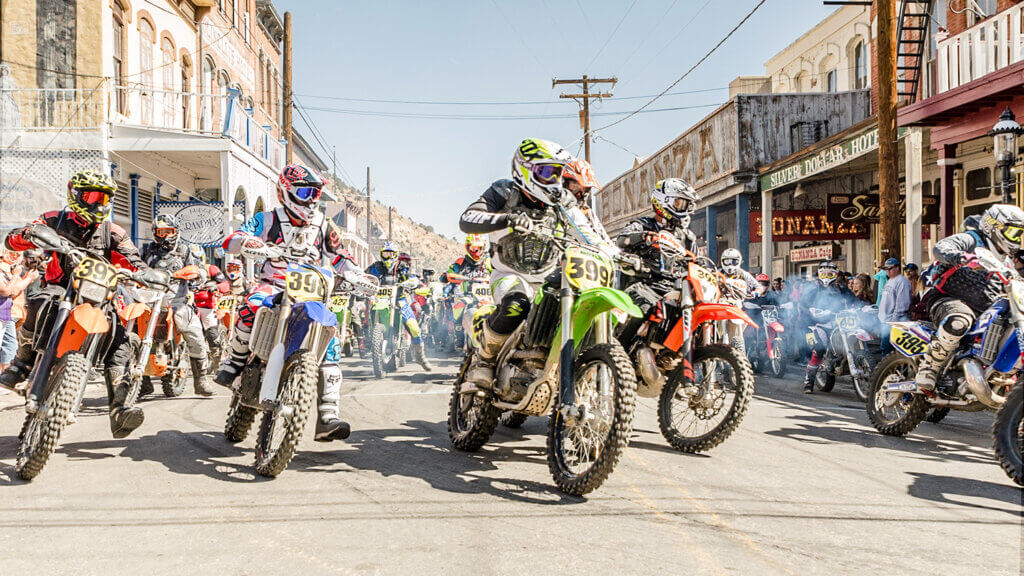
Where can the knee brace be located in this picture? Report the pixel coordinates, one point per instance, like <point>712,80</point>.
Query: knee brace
<point>511,311</point>
<point>956,324</point>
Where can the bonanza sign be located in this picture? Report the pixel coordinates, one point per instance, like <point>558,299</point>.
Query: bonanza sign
<point>864,208</point>
<point>805,225</point>
<point>199,223</point>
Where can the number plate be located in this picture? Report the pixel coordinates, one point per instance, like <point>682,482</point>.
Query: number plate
<point>96,271</point>
<point>385,294</point>
<point>226,303</point>
<point>339,303</point>
<point>482,291</point>
<point>305,285</point>
<point>585,269</point>
<point>907,342</point>
<point>848,322</point>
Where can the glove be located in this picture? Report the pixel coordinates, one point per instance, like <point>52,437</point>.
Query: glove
<point>255,248</point>
<point>519,221</point>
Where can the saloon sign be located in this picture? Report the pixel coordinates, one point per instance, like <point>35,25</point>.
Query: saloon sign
<point>864,208</point>
<point>805,225</point>
<point>199,223</point>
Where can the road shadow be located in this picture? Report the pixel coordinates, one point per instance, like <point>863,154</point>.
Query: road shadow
<point>945,489</point>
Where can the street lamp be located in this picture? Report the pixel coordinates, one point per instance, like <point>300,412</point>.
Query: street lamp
<point>1004,135</point>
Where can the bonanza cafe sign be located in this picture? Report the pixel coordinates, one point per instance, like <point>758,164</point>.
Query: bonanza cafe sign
<point>824,160</point>
<point>811,253</point>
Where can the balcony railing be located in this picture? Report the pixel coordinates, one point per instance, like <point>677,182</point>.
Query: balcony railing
<point>183,112</point>
<point>990,45</point>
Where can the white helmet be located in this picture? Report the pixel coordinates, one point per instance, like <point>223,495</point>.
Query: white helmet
<point>827,272</point>
<point>1003,225</point>
<point>674,200</point>
<point>537,169</point>
<point>731,261</point>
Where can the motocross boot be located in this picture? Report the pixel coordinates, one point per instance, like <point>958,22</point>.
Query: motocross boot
<point>938,350</point>
<point>213,342</point>
<point>328,425</point>
<point>231,367</point>
<point>19,369</point>
<point>421,356</point>
<point>199,377</point>
<point>809,376</point>
<point>122,420</point>
<point>481,370</point>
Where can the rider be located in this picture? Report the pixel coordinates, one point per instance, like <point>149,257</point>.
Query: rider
<point>215,285</point>
<point>521,261</point>
<point>473,263</point>
<point>300,226</point>
<point>166,252</point>
<point>961,290</point>
<point>83,223</point>
<point>824,294</point>
<point>236,276</point>
<point>391,266</point>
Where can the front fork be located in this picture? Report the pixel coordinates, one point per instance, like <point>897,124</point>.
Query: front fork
<point>45,364</point>
<point>567,387</point>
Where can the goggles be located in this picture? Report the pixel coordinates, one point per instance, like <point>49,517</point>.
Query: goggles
<point>730,262</point>
<point>165,232</point>
<point>827,273</point>
<point>547,173</point>
<point>388,255</point>
<point>1013,233</point>
<point>94,197</point>
<point>680,204</point>
<point>306,194</point>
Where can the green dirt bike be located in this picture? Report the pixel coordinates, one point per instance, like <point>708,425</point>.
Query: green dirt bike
<point>389,341</point>
<point>562,361</point>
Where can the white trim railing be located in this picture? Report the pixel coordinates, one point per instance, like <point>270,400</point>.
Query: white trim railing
<point>989,45</point>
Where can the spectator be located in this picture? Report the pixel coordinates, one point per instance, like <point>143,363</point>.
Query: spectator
<point>779,285</point>
<point>860,285</point>
<point>913,274</point>
<point>895,300</point>
<point>13,281</point>
<point>880,279</point>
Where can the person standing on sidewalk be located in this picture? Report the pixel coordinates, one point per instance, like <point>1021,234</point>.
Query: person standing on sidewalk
<point>13,281</point>
<point>894,304</point>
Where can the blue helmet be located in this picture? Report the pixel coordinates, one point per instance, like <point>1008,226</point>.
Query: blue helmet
<point>388,253</point>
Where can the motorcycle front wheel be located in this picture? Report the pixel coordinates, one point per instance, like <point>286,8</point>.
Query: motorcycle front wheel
<point>173,381</point>
<point>583,453</point>
<point>281,428</point>
<point>472,418</point>
<point>701,418</point>
<point>899,415</point>
<point>42,429</point>
<point>778,359</point>
<point>862,385</point>
<point>377,350</point>
<point>1008,434</point>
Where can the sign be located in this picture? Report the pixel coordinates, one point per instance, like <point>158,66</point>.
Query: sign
<point>199,223</point>
<point>811,253</point>
<point>864,208</point>
<point>805,225</point>
<point>824,160</point>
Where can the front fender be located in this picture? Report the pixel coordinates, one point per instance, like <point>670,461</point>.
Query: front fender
<point>84,320</point>
<point>709,312</point>
<point>590,304</point>
<point>304,315</point>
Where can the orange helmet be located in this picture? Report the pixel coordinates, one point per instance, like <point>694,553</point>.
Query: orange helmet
<point>581,172</point>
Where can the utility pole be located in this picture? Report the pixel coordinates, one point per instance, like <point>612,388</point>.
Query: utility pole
<point>888,172</point>
<point>369,225</point>
<point>584,98</point>
<point>286,119</point>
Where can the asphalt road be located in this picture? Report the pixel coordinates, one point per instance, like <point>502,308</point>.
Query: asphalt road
<point>805,486</point>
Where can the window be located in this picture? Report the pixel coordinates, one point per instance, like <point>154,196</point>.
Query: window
<point>206,98</point>
<point>117,37</point>
<point>979,184</point>
<point>167,97</point>
<point>146,69</point>
<point>831,82</point>
<point>229,9</point>
<point>186,85</point>
<point>860,65</point>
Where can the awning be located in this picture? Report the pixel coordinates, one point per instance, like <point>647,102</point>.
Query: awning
<point>835,151</point>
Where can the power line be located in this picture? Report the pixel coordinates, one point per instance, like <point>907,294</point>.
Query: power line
<point>494,116</point>
<point>639,45</point>
<point>612,35</point>
<point>623,148</point>
<point>687,73</point>
<point>319,138</point>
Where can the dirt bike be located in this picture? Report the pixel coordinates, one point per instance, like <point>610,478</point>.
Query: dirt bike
<point>227,314</point>
<point>766,350</point>
<point>73,333</point>
<point>475,294</point>
<point>389,341</point>
<point>562,361</point>
<point>349,330</point>
<point>975,377</point>
<point>846,349</point>
<point>291,333</point>
<point>684,358</point>
<point>161,352</point>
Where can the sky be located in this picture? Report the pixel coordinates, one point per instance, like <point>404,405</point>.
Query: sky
<point>481,52</point>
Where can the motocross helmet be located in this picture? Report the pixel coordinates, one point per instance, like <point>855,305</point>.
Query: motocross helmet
<point>764,280</point>
<point>404,261</point>
<point>89,195</point>
<point>827,272</point>
<point>537,168</point>
<point>731,261</point>
<point>298,190</point>
<point>233,270</point>
<point>388,254</point>
<point>674,200</point>
<point>1003,226</point>
<point>578,178</point>
<point>476,245</point>
<point>165,231</point>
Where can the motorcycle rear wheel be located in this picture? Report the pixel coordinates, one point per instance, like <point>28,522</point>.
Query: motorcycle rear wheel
<point>471,418</point>
<point>41,433</point>
<point>673,410</point>
<point>937,415</point>
<point>240,419</point>
<point>903,416</point>
<point>1008,434</point>
<point>581,456</point>
<point>279,435</point>
<point>513,419</point>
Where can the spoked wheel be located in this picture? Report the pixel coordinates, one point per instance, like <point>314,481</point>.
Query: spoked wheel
<point>472,418</point>
<point>862,385</point>
<point>699,415</point>
<point>937,415</point>
<point>281,428</point>
<point>583,451</point>
<point>777,361</point>
<point>240,419</point>
<point>42,429</point>
<point>377,350</point>
<point>1008,434</point>
<point>825,379</point>
<point>895,413</point>
<point>513,419</point>
<point>173,381</point>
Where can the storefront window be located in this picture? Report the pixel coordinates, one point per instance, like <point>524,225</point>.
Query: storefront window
<point>979,184</point>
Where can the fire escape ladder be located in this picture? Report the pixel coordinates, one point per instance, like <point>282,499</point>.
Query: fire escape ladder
<point>911,46</point>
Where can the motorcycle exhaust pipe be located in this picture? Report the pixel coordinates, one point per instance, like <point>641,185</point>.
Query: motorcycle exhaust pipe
<point>648,368</point>
<point>976,383</point>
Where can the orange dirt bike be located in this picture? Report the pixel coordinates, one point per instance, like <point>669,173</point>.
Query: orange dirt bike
<point>683,357</point>
<point>161,352</point>
<point>73,333</point>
